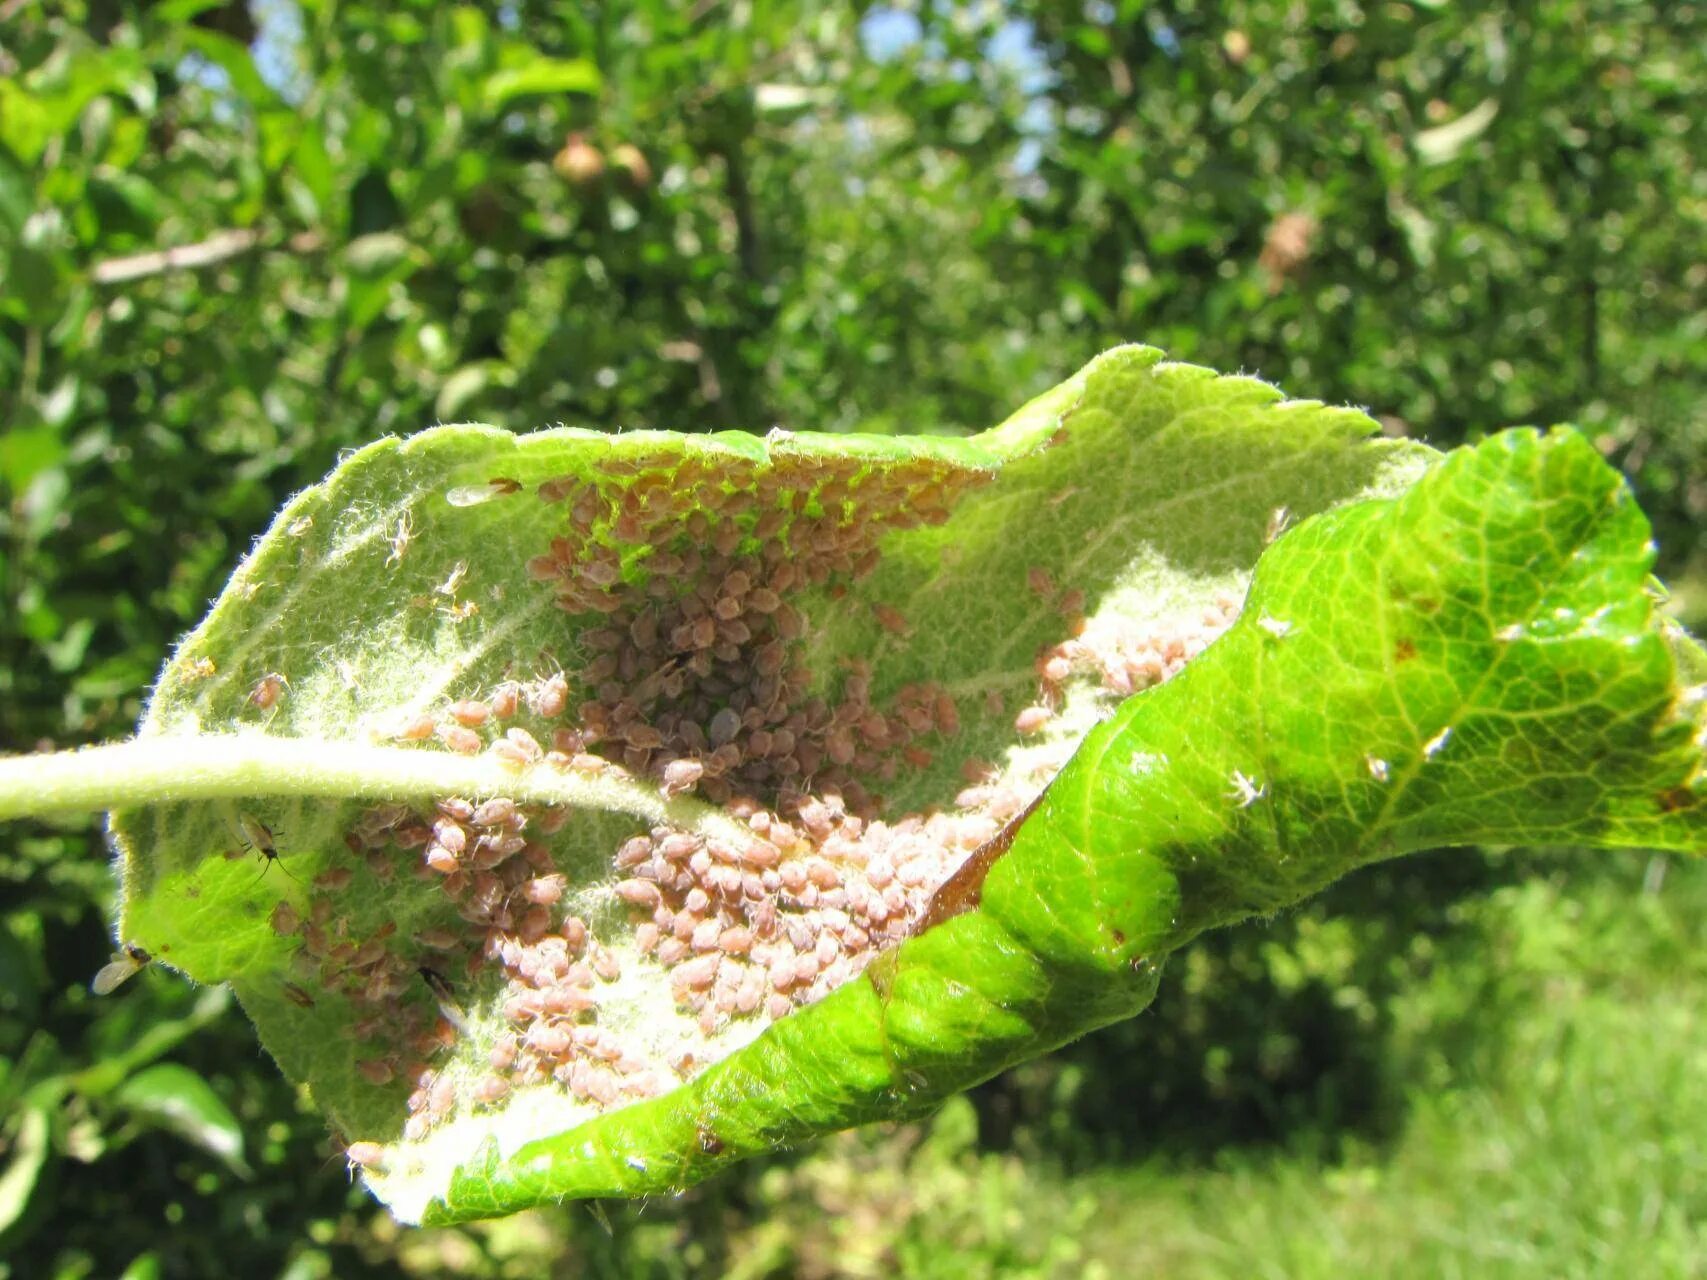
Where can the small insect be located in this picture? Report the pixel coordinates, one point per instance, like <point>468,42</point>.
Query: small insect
<point>257,837</point>
<point>1032,719</point>
<point>125,962</point>
<point>891,619</point>
<point>267,691</point>
<point>443,993</point>
<point>201,669</point>
<point>401,538</point>
<point>364,1155</point>
<point>297,996</point>
<point>452,584</point>
<point>1247,791</point>
<point>472,495</point>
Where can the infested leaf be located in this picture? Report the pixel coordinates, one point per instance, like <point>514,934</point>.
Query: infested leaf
<point>568,810</point>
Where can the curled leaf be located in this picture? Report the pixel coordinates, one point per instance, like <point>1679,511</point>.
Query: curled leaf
<point>578,813</point>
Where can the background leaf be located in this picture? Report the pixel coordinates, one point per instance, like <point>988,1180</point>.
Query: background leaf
<point>176,1098</point>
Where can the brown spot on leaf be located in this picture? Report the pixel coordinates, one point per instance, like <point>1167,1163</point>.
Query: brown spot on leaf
<point>1676,798</point>
<point>963,890</point>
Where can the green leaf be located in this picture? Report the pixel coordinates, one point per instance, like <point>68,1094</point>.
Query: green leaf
<point>539,75</point>
<point>26,452</point>
<point>176,1098</point>
<point>766,672</point>
<point>1445,142</point>
<point>375,263</point>
<point>30,1146</point>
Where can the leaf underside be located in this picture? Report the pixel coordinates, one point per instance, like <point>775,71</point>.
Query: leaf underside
<point>784,688</point>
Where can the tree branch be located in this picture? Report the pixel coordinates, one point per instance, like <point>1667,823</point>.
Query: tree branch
<point>219,247</point>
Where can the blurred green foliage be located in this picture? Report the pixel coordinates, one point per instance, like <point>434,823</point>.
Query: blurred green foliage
<point>236,239</point>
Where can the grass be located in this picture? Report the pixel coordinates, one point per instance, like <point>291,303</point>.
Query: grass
<point>1587,1157</point>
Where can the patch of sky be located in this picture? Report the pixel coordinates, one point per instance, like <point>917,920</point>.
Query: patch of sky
<point>1164,37</point>
<point>278,47</point>
<point>888,33</point>
<point>277,55</point>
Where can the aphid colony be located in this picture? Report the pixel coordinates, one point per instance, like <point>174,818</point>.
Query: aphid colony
<point>692,674</point>
<point>1121,656</point>
<point>378,973</point>
<point>744,931</point>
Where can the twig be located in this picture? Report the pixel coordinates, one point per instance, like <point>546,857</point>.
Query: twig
<point>219,247</point>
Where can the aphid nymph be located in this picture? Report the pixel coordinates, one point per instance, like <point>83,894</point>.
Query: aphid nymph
<point>400,540</point>
<point>267,691</point>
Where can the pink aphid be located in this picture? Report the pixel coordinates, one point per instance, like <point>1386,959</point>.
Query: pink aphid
<point>499,811</point>
<point>470,712</point>
<point>1032,720</point>
<point>682,775</point>
<point>639,893</point>
<point>441,859</point>
<point>575,933</point>
<point>549,697</point>
<point>504,699</point>
<point>891,619</point>
<point>545,890</point>
<point>364,1155</point>
<point>548,1038</point>
<point>267,691</point>
<point>415,729</point>
<point>461,740</point>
